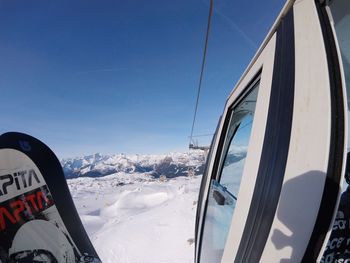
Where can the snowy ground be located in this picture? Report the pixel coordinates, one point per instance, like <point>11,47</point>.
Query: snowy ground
<point>136,219</point>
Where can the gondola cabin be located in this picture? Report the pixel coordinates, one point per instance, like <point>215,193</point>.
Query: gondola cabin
<point>276,166</point>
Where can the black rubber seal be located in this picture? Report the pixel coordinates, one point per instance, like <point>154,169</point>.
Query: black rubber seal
<point>275,147</point>
<point>334,169</point>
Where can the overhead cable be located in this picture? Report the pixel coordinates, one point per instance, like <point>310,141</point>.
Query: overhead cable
<point>202,67</point>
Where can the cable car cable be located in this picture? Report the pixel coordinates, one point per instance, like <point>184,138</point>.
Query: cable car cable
<point>202,67</point>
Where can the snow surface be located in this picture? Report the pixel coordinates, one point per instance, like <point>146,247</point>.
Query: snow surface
<point>134,218</point>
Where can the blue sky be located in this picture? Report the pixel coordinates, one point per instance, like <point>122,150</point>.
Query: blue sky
<point>122,76</point>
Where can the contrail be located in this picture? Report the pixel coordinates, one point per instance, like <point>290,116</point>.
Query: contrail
<point>100,70</point>
<point>237,28</point>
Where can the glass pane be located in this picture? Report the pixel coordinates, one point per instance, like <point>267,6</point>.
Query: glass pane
<point>222,193</point>
<point>341,16</point>
<point>217,222</point>
<point>234,161</point>
<point>338,245</point>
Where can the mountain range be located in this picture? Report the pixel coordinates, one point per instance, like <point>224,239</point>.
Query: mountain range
<point>169,165</point>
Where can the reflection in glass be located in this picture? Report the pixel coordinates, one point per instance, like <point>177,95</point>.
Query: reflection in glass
<point>338,245</point>
<point>235,158</point>
<point>222,194</point>
<point>340,10</point>
<point>217,222</point>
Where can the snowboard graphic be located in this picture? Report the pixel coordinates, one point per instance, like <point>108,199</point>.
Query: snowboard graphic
<point>38,220</point>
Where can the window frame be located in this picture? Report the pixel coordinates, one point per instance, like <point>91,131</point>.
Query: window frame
<point>222,151</point>
<point>262,67</point>
<point>219,156</point>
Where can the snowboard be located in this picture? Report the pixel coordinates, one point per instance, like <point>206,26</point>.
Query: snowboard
<point>38,219</point>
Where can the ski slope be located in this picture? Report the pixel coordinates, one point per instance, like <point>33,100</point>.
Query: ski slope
<point>134,218</point>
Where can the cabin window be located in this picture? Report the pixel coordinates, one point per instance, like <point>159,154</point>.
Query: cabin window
<point>224,191</point>
<point>341,18</point>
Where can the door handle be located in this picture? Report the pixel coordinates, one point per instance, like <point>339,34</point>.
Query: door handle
<point>219,198</point>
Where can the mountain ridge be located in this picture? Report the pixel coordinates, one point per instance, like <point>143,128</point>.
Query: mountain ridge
<point>169,165</point>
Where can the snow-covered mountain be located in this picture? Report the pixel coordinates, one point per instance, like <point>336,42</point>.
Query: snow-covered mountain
<point>169,165</point>
<point>133,217</point>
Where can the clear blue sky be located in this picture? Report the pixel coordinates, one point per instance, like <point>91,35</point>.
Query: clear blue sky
<point>122,76</point>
